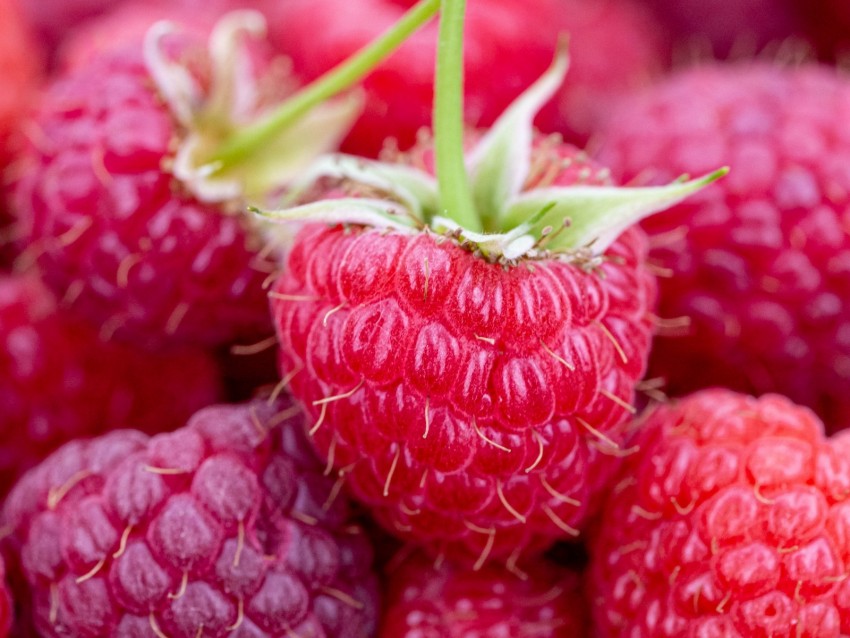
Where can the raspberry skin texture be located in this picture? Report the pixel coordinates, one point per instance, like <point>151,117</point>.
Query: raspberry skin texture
<point>448,601</point>
<point>99,213</point>
<point>757,262</point>
<point>59,381</point>
<point>473,407</point>
<point>507,47</point>
<point>225,527</point>
<point>731,520</point>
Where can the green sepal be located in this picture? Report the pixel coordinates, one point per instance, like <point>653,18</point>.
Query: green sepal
<point>594,216</point>
<point>377,213</point>
<point>500,162</point>
<point>409,186</point>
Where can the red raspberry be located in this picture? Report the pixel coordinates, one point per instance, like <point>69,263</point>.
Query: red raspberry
<point>612,46</point>
<point>732,520</point>
<point>59,381</point>
<point>465,400</point>
<point>425,600</point>
<point>757,263</point>
<point>103,217</point>
<point>224,527</point>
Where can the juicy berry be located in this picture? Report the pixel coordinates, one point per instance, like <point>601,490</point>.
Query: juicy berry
<point>59,381</point>
<point>429,600</point>
<point>466,401</point>
<point>227,526</point>
<point>757,288</point>
<point>101,215</point>
<point>731,520</point>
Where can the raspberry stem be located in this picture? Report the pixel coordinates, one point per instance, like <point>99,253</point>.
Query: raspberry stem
<point>452,177</point>
<point>336,80</point>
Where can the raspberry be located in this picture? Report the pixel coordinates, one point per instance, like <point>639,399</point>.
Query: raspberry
<point>731,520</point>
<point>757,263</point>
<point>465,401</point>
<point>227,525</point>
<point>59,381</point>
<point>96,209</point>
<point>427,600</point>
<point>613,47</point>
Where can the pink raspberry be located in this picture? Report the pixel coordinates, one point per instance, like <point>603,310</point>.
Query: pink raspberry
<point>59,381</point>
<point>756,292</point>
<point>227,526</point>
<point>466,401</point>
<point>429,600</point>
<point>100,213</point>
<point>731,520</point>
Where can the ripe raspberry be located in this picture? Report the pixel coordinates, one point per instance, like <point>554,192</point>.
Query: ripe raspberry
<point>96,209</point>
<point>463,398</point>
<point>732,520</point>
<point>426,600</point>
<point>59,381</point>
<point>758,262</point>
<point>226,526</point>
<point>612,46</point>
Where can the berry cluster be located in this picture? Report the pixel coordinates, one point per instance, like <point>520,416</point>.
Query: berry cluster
<point>398,319</point>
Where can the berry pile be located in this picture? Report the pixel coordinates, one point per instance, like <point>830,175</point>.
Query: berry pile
<point>424,319</point>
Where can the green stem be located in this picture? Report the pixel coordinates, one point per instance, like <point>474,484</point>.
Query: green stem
<point>334,81</point>
<point>455,191</point>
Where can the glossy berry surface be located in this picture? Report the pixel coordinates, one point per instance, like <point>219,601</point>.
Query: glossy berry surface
<point>731,520</point>
<point>467,403</point>
<point>225,527</point>
<point>446,601</point>
<point>101,215</point>
<point>59,381</point>
<point>756,285</point>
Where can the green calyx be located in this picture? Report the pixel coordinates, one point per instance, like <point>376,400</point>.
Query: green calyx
<point>477,197</point>
<point>237,148</point>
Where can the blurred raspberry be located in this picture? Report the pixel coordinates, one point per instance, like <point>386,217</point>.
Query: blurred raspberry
<point>59,381</point>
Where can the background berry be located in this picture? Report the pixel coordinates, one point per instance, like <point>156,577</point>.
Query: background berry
<point>226,525</point>
<point>756,285</point>
<point>731,520</point>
